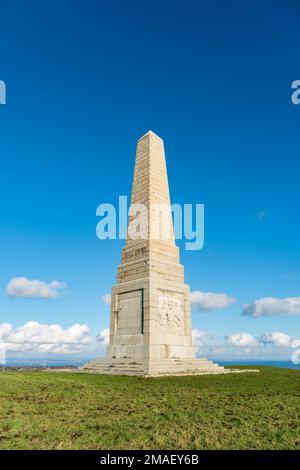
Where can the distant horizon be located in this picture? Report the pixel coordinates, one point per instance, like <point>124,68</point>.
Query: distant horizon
<point>79,363</point>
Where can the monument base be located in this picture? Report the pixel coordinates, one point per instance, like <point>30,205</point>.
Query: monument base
<point>154,367</point>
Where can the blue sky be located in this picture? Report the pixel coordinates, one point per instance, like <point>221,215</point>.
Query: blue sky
<point>84,81</point>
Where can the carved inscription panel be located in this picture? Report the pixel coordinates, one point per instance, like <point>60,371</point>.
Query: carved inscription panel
<point>170,311</point>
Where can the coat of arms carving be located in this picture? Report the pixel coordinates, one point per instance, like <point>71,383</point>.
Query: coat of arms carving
<point>170,311</point>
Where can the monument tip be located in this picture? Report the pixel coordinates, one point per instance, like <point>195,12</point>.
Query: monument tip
<point>151,134</point>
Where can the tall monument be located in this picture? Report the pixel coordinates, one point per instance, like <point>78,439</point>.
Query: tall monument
<point>150,319</point>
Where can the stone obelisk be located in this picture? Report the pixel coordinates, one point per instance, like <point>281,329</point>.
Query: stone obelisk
<point>150,320</point>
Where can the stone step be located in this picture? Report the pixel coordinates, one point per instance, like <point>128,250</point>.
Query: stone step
<point>122,366</point>
<point>155,368</point>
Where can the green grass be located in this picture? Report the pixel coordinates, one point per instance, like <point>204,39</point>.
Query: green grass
<point>40,410</point>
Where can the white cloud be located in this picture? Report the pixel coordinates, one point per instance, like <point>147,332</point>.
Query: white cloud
<point>103,336</point>
<point>106,299</point>
<point>197,337</point>
<point>277,339</point>
<point>209,301</point>
<point>33,288</point>
<point>5,329</point>
<point>37,338</point>
<point>296,343</point>
<point>272,306</point>
<point>242,339</point>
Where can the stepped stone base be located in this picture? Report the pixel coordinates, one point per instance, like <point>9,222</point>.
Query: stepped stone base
<point>155,368</point>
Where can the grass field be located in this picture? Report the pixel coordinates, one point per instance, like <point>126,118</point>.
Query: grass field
<point>57,410</point>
